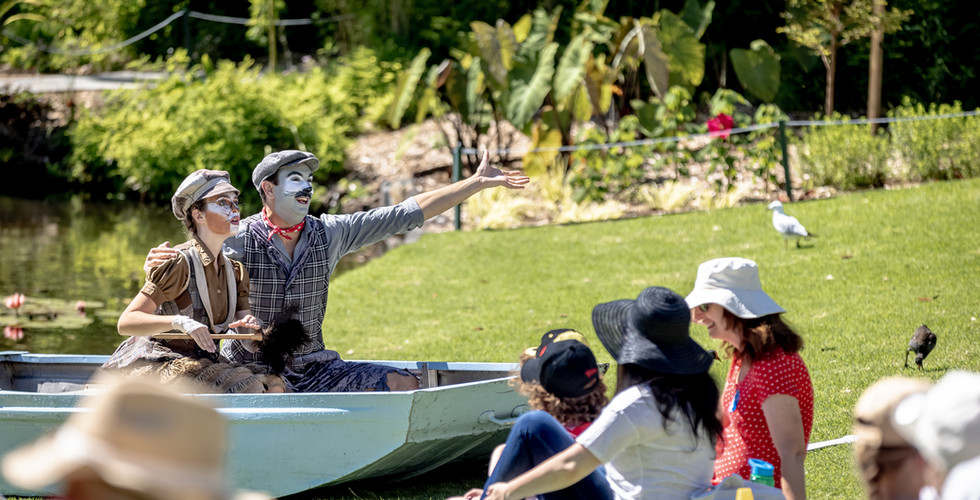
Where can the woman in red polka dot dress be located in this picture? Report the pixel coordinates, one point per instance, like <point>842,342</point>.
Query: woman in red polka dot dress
<point>768,396</point>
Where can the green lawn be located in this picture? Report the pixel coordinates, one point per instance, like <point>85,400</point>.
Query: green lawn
<point>884,263</point>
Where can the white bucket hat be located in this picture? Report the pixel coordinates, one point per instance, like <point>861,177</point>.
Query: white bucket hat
<point>733,283</point>
<point>943,423</point>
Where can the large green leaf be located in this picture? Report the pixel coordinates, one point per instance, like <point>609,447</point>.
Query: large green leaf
<point>684,51</point>
<point>408,81</point>
<point>529,84</point>
<point>522,27</point>
<point>655,61</point>
<point>475,85</point>
<point>542,32</point>
<point>571,66</point>
<point>497,49</point>
<point>757,69</point>
<point>544,137</point>
<point>598,83</point>
<point>696,17</point>
<point>434,79</point>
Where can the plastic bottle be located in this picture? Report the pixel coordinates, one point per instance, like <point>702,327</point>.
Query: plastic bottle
<point>761,472</point>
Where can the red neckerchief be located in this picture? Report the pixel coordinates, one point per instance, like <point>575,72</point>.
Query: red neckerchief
<point>274,229</point>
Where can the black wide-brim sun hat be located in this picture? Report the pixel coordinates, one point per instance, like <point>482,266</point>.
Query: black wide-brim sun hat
<point>652,331</point>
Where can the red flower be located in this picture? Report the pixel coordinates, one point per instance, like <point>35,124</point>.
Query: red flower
<point>721,126</point>
<point>14,301</point>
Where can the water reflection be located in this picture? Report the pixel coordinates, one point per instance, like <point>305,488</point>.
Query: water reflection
<point>83,260</point>
<point>76,251</point>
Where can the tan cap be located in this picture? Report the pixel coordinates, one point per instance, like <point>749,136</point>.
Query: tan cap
<point>877,438</point>
<point>200,184</point>
<point>138,435</point>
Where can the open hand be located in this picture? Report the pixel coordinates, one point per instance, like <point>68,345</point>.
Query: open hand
<point>248,321</point>
<point>158,255</point>
<point>492,176</point>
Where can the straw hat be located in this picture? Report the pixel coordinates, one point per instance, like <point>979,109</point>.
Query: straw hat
<point>651,331</point>
<point>137,436</point>
<point>733,283</point>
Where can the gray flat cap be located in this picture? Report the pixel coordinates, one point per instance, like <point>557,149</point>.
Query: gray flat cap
<point>274,161</point>
<point>200,184</point>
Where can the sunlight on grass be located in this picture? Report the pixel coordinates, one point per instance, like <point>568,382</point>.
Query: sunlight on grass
<point>885,262</point>
<point>547,199</point>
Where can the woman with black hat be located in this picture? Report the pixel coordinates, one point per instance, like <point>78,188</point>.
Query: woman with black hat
<point>656,437</point>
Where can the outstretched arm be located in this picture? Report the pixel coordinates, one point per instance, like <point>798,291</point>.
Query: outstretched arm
<point>438,201</point>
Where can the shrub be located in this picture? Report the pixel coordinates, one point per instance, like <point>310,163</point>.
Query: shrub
<point>597,174</point>
<point>226,118</point>
<point>845,156</point>
<point>938,149</point>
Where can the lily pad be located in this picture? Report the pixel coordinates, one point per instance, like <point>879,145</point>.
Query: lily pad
<point>38,312</point>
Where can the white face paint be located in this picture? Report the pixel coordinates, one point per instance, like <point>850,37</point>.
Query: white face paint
<point>293,193</point>
<point>223,215</point>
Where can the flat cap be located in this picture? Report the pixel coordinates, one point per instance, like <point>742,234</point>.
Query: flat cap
<point>274,161</point>
<point>198,185</point>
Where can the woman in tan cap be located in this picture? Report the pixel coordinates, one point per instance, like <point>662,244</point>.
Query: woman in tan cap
<point>197,292</point>
<point>768,395</point>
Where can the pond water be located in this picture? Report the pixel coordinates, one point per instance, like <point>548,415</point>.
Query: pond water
<point>58,253</point>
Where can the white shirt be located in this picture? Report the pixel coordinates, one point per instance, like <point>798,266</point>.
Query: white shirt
<point>643,460</point>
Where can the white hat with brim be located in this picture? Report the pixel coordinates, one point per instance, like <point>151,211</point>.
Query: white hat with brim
<point>135,436</point>
<point>734,284</point>
<point>943,423</point>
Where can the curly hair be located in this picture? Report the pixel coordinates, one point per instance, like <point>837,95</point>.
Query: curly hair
<point>760,336</point>
<point>567,411</point>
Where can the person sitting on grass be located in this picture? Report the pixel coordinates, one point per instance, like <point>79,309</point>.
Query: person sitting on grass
<point>656,437</point>
<point>768,395</point>
<point>562,381</point>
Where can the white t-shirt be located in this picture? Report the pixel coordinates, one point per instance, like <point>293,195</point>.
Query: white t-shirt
<point>643,460</point>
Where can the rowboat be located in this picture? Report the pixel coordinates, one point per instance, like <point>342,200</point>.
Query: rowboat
<point>287,443</point>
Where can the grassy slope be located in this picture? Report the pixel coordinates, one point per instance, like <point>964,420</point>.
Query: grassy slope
<point>487,295</point>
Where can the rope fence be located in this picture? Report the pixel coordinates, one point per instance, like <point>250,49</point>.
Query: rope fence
<point>245,21</point>
<point>459,151</point>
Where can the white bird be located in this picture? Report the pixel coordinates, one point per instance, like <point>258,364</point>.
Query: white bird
<point>787,225</point>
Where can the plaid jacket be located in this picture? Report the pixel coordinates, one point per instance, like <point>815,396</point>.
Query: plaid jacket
<point>305,282</point>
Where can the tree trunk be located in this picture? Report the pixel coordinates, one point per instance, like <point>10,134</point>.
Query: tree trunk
<point>875,66</point>
<point>828,104</point>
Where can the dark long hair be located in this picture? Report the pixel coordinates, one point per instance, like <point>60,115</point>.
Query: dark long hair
<point>693,396</point>
<point>760,336</point>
